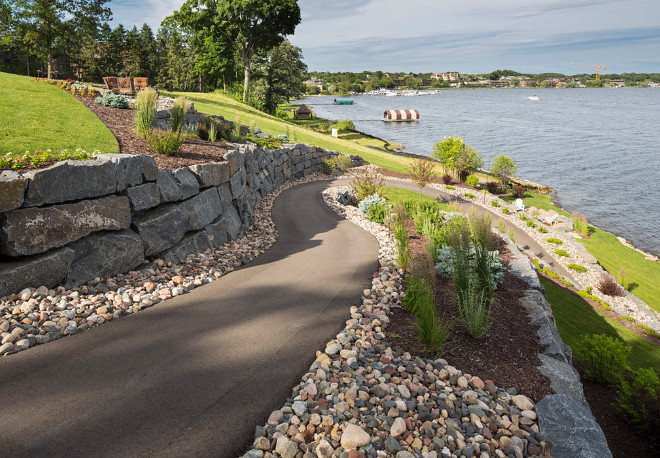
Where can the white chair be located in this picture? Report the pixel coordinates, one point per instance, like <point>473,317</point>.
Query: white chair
<point>519,206</point>
<point>551,219</point>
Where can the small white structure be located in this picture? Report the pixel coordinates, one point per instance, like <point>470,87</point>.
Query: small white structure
<point>401,115</point>
<point>519,206</point>
<point>335,133</point>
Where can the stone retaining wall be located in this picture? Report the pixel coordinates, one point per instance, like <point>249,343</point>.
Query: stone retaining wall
<point>78,220</point>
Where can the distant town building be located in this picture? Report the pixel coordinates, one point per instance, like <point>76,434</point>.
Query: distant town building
<point>452,76</point>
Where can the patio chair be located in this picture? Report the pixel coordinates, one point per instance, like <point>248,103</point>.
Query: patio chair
<point>126,86</point>
<point>111,83</point>
<point>551,218</point>
<point>140,83</point>
<point>519,206</point>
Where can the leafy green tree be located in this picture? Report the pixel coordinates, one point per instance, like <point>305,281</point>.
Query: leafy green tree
<point>250,26</point>
<point>283,75</point>
<point>59,21</point>
<point>455,155</point>
<point>504,168</point>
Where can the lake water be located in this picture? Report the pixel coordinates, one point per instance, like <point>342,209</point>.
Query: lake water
<point>599,149</point>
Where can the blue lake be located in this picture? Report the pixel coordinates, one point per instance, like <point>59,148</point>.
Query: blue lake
<point>599,149</point>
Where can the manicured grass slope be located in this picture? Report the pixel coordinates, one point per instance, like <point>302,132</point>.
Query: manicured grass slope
<point>39,116</point>
<point>613,255</point>
<point>232,110</point>
<point>398,195</point>
<point>575,318</point>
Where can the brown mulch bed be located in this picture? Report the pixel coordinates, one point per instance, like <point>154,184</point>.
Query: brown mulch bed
<point>506,355</point>
<point>120,123</point>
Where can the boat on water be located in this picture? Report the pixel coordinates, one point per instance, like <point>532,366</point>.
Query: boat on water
<point>533,97</point>
<point>401,115</point>
<point>343,102</point>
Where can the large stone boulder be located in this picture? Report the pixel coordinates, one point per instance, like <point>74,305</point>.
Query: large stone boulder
<point>143,197</point>
<point>187,182</point>
<point>36,230</point>
<point>69,181</point>
<point>149,168</point>
<point>169,188</point>
<point>203,209</point>
<point>217,232</point>
<point>48,269</point>
<point>564,379</point>
<point>571,428</point>
<point>161,228</point>
<point>104,255</point>
<point>190,244</point>
<point>213,174</point>
<point>128,169</point>
<point>12,190</point>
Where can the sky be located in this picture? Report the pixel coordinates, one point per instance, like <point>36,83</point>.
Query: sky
<point>476,36</point>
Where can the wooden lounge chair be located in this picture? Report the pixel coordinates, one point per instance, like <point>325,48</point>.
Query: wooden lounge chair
<point>111,83</point>
<point>140,83</point>
<point>126,86</point>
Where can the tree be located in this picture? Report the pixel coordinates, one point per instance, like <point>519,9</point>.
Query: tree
<point>54,20</point>
<point>250,26</point>
<point>283,75</point>
<point>421,172</point>
<point>455,155</point>
<point>504,168</point>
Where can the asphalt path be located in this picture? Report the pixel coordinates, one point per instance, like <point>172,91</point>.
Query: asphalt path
<point>192,376</point>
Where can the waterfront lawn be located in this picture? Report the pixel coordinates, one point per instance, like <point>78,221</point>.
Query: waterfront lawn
<point>612,255</point>
<point>232,110</point>
<point>398,195</point>
<point>575,319</point>
<point>40,116</point>
<point>538,200</point>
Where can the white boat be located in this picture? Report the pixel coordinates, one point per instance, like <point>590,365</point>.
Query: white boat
<point>533,97</point>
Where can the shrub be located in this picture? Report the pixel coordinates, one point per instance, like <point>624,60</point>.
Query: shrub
<point>554,240</point>
<point>563,253</point>
<point>421,172</point>
<point>451,258</point>
<point>342,162</point>
<point>202,131</point>
<point>506,210</point>
<point>624,278</point>
<point>446,179</point>
<point>166,142</point>
<point>367,182</point>
<point>398,215</point>
<point>639,399</point>
<point>377,212</point>
<point>369,201</point>
<point>512,235</point>
<point>494,203</point>
<point>345,125</point>
<point>580,224</point>
<point>145,107</point>
<point>472,180</point>
<point>542,229</point>
<point>577,268</point>
<point>504,168</point>
<point>451,188</point>
<point>470,195</point>
<point>417,291</point>
<point>491,186</point>
<point>328,166</point>
<point>531,224</point>
<point>402,246</point>
<point>501,226</point>
<point>178,113</point>
<point>604,358</point>
<point>609,286</point>
<point>519,191</point>
<point>113,100</point>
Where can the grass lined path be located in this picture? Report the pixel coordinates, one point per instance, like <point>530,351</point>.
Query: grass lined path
<point>39,116</point>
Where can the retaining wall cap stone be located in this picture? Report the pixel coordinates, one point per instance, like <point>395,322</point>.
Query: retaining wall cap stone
<point>187,182</point>
<point>571,428</point>
<point>12,190</point>
<point>128,169</point>
<point>168,187</point>
<point>564,379</point>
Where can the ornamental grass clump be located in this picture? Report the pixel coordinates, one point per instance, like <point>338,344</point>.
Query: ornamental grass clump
<point>580,224</point>
<point>145,107</point>
<point>178,113</point>
<point>166,142</point>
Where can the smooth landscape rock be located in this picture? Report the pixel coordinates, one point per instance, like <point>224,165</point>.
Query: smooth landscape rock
<point>36,230</point>
<point>12,190</point>
<point>354,437</point>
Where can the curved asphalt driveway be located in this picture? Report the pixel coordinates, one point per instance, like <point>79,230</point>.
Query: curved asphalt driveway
<point>193,375</point>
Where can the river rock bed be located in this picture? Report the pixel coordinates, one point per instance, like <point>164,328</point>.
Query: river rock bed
<point>362,397</point>
<point>40,315</point>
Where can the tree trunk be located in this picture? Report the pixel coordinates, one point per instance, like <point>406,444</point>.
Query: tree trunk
<point>246,82</point>
<point>27,59</point>
<point>50,65</point>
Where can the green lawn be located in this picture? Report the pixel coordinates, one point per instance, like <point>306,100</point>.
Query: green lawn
<point>613,255</point>
<point>398,195</point>
<point>575,318</point>
<point>39,116</point>
<point>538,200</point>
<point>233,111</point>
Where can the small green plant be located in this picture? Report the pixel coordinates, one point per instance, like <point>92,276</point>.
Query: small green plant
<point>609,286</point>
<point>501,226</point>
<point>178,113</point>
<point>474,307</point>
<point>577,268</point>
<point>506,210</point>
<point>345,125</point>
<point>253,126</point>
<point>365,204</point>
<point>580,224</point>
<point>604,358</point>
<point>624,278</point>
<point>472,180</point>
<point>451,188</point>
<point>402,246</point>
<point>494,203</point>
<point>469,195</point>
<point>542,229</point>
<point>166,142</point>
<point>377,212</point>
<point>367,182</point>
<point>328,166</point>
<point>213,132</point>
<point>531,224</point>
<point>563,253</point>
<point>112,100</point>
<point>554,240</point>
<point>145,107</point>
<point>638,397</point>
<point>512,235</point>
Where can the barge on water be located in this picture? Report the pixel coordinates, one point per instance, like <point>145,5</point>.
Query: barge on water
<point>401,115</point>
<point>343,102</point>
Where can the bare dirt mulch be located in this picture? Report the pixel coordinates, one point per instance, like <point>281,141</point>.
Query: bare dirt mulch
<point>506,355</point>
<point>120,123</point>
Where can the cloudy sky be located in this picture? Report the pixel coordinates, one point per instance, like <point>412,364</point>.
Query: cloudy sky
<point>476,36</point>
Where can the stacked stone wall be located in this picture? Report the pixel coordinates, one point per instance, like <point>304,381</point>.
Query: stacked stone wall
<point>78,220</point>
